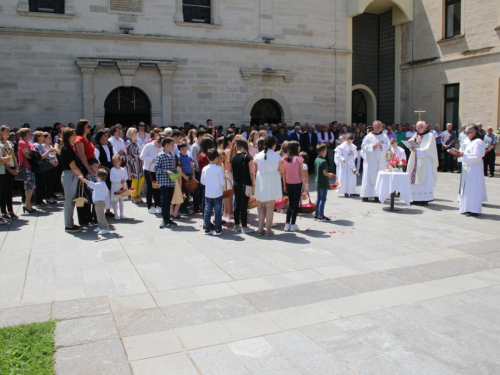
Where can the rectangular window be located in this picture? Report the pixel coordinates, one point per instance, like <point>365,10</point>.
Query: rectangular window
<point>453,15</point>
<point>451,104</point>
<point>197,11</point>
<point>47,6</point>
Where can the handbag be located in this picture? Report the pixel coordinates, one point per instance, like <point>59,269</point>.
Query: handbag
<point>44,166</point>
<point>80,201</point>
<point>21,173</point>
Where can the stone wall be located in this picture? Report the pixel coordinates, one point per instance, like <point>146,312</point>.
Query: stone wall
<point>41,83</point>
<point>473,61</point>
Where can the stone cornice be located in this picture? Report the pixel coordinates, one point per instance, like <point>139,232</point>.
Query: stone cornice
<point>168,39</point>
<point>454,58</point>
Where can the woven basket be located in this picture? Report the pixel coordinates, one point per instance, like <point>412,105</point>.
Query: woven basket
<point>81,200</point>
<point>191,185</point>
<point>280,203</point>
<point>309,208</point>
<point>229,193</point>
<point>154,183</point>
<point>305,195</point>
<point>335,186</point>
<point>174,176</point>
<point>253,203</point>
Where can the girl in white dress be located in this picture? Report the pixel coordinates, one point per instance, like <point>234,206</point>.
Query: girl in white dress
<point>268,167</point>
<point>118,178</point>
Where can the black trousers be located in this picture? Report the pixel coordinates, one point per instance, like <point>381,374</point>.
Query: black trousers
<point>294,195</point>
<point>448,162</point>
<point>150,192</point>
<point>167,192</point>
<point>489,162</point>
<point>439,152</point>
<point>198,193</point>
<point>240,203</point>
<point>7,182</point>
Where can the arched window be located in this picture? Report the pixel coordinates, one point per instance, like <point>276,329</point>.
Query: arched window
<point>47,6</point>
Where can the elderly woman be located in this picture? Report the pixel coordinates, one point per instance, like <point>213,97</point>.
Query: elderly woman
<point>472,192</point>
<point>23,154</point>
<point>44,180</point>
<point>268,166</point>
<point>71,165</point>
<point>135,165</point>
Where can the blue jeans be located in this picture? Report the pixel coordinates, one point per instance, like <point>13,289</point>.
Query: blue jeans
<point>320,201</point>
<point>216,205</point>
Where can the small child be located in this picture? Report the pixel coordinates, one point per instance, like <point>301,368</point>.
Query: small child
<point>94,165</point>
<point>118,177</point>
<point>99,194</point>
<point>165,165</point>
<point>399,152</point>
<point>177,199</point>
<point>187,172</point>
<point>304,156</point>
<point>213,179</point>
<point>322,183</point>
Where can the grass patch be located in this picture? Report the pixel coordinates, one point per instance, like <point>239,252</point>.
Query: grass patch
<point>28,349</point>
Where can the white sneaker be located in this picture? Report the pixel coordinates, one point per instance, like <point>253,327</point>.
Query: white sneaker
<point>294,228</point>
<point>237,228</point>
<point>97,230</point>
<point>287,227</point>
<point>123,217</point>
<point>158,210</point>
<point>117,217</point>
<point>152,210</point>
<point>247,230</point>
<point>104,231</point>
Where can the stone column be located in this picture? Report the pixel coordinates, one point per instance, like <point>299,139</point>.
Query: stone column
<point>166,71</point>
<point>88,67</point>
<point>348,88</point>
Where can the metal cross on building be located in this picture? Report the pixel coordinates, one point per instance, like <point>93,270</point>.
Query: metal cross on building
<point>420,111</point>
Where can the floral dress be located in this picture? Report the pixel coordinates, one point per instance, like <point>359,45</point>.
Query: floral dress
<point>134,163</point>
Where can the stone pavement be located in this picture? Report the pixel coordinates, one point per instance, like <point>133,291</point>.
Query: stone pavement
<point>372,292</point>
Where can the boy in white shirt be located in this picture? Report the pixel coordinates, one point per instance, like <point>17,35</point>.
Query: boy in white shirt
<point>398,151</point>
<point>213,179</point>
<point>99,194</point>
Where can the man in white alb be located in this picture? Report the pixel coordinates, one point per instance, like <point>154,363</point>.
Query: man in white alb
<point>374,146</point>
<point>422,166</point>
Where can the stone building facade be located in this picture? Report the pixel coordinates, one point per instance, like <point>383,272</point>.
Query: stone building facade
<point>431,61</point>
<point>308,58</point>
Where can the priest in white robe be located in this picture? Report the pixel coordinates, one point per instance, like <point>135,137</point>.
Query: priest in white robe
<point>423,165</point>
<point>472,192</point>
<point>374,147</point>
<point>345,159</point>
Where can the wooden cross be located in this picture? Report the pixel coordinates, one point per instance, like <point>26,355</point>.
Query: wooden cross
<point>420,111</point>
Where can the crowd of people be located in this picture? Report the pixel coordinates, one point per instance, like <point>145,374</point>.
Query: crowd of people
<point>215,171</point>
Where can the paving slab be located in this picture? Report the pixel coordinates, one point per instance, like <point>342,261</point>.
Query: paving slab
<point>151,345</point>
<point>83,330</point>
<point>141,322</point>
<point>25,315</point>
<point>81,308</point>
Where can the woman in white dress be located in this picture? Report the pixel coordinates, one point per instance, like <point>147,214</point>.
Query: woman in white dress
<point>472,191</point>
<point>268,166</point>
<point>345,159</point>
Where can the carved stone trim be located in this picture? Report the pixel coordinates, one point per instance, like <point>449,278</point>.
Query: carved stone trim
<point>127,70</point>
<point>287,75</point>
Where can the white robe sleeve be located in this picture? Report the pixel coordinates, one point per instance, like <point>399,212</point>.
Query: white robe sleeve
<point>475,153</point>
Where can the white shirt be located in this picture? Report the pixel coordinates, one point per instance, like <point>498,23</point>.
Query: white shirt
<point>213,179</point>
<point>329,137</point>
<point>148,156</point>
<point>100,191</point>
<point>97,153</point>
<point>410,134</point>
<point>142,142</point>
<point>118,145</point>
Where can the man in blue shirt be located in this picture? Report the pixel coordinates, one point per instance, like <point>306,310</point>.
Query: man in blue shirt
<point>439,145</point>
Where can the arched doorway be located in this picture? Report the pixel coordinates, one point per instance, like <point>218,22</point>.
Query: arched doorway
<point>359,112</point>
<point>266,110</point>
<point>364,105</point>
<point>127,106</point>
